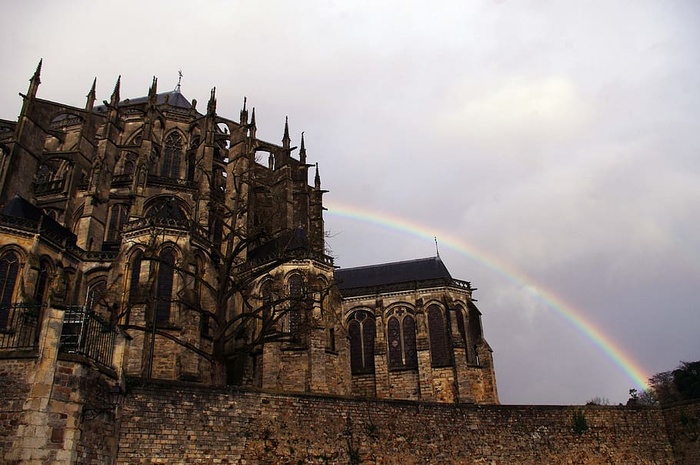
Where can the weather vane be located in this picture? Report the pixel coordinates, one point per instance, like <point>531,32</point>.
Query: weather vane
<point>179,80</point>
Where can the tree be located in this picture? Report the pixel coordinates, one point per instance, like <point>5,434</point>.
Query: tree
<point>667,387</point>
<point>223,265</point>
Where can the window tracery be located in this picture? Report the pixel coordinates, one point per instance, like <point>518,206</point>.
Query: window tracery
<point>9,269</point>
<point>401,338</point>
<point>172,154</point>
<point>164,289</point>
<point>439,350</point>
<point>362,331</point>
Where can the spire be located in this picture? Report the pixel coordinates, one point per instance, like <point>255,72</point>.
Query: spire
<point>302,150</point>
<point>253,127</point>
<point>317,179</point>
<point>153,91</point>
<point>244,113</point>
<point>35,80</point>
<point>211,106</point>
<point>286,140</point>
<point>91,96</point>
<point>115,94</point>
<point>179,81</point>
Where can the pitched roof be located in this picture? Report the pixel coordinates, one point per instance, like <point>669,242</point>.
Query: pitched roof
<point>175,99</point>
<point>390,274</point>
<point>19,207</point>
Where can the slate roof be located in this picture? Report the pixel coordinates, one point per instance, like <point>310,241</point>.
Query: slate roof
<point>19,207</point>
<point>392,274</point>
<point>175,99</point>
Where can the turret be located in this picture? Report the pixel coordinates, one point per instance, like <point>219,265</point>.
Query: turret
<point>34,81</point>
<point>302,151</point>
<point>244,113</point>
<point>153,92</point>
<point>253,127</point>
<point>90,103</point>
<point>211,105</point>
<point>114,100</point>
<point>286,139</point>
<point>317,179</point>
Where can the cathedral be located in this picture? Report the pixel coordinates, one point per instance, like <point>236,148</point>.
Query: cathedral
<point>151,238</point>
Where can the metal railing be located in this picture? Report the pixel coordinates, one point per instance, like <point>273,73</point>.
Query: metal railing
<point>19,326</point>
<point>86,333</point>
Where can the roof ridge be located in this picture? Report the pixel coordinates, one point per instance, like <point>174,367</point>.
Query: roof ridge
<point>399,262</point>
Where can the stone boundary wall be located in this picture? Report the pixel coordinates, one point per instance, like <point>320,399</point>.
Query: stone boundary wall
<point>14,391</point>
<point>177,423</point>
<point>683,426</point>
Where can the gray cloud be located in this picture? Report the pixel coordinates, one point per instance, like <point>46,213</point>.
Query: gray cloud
<point>558,139</point>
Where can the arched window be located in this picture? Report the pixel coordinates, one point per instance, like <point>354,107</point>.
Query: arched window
<point>267,297</point>
<point>401,337</point>
<point>127,164</point>
<point>9,269</point>
<point>135,276</point>
<point>470,331</point>
<point>362,330</point>
<point>166,207</point>
<point>42,282</point>
<point>216,225</point>
<point>295,305</point>
<point>164,291</point>
<point>118,215</point>
<point>95,294</point>
<point>475,331</point>
<point>439,350</point>
<point>172,153</point>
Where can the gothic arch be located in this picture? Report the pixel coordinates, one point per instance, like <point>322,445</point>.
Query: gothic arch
<point>437,335</point>
<point>165,283</point>
<point>95,293</point>
<point>362,331</point>
<point>126,163</point>
<point>167,206</point>
<point>135,263</point>
<point>11,264</point>
<point>118,217</point>
<point>295,291</point>
<point>43,282</point>
<point>173,155</point>
<point>75,223</point>
<point>135,138</point>
<point>401,336</point>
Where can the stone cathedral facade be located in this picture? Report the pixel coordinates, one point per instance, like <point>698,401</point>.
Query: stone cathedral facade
<point>151,238</point>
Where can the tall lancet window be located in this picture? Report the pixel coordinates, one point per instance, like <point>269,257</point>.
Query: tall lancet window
<point>362,330</point>
<point>296,284</point>
<point>401,337</point>
<point>9,269</point>
<point>172,156</point>
<point>166,274</point>
<point>118,216</point>
<point>439,350</point>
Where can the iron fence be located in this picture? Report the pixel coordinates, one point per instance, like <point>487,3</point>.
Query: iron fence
<point>19,326</point>
<point>86,333</point>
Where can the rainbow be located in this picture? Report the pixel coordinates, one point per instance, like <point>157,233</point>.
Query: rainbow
<point>596,335</point>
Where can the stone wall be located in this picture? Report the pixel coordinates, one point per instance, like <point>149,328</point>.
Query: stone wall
<point>178,423</point>
<point>14,390</point>
<point>683,426</point>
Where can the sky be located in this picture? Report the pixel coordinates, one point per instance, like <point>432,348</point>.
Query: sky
<point>551,147</point>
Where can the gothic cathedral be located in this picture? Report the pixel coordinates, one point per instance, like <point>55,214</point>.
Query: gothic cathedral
<point>148,238</point>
